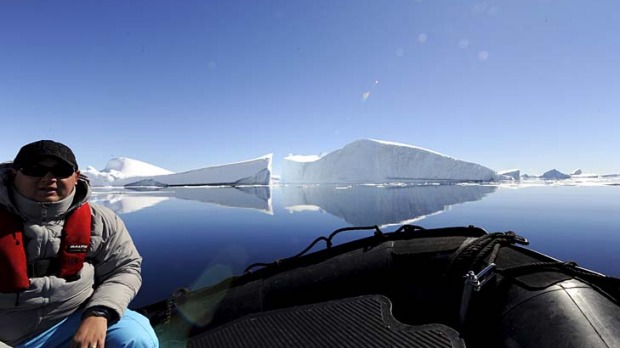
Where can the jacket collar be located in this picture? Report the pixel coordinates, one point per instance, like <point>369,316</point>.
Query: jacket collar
<point>40,212</point>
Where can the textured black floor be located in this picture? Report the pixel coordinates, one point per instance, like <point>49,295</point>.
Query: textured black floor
<point>358,322</point>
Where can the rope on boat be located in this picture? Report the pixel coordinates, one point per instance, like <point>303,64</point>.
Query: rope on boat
<point>484,251</point>
<point>486,247</point>
<point>328,244</point>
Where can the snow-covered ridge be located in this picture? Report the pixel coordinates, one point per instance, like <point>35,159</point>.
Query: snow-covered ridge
<point>375,161</point>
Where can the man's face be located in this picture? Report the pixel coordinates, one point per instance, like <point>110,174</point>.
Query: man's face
<point>49,180</point>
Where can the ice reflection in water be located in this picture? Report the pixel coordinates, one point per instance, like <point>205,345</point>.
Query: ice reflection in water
<point>388,205</point>
<point>359,205</point>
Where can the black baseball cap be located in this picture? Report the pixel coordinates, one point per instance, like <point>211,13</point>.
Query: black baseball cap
<point>31,153</point>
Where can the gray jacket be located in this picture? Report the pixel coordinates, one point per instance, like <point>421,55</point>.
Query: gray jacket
<point>110,277</point>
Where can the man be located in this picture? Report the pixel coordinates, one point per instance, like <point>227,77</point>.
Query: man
<point>68,268</point>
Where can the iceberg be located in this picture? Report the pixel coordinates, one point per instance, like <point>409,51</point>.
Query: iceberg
<point>376,161</point>
<point>554,174</point>
<point>511,174</point>
<point>125,172</point>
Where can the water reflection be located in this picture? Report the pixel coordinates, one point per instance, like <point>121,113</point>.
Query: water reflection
<point>121,202</point>
<point>356,205</point>
<point>376,205</point>
<point>131,200</point>
<point>248,197</point>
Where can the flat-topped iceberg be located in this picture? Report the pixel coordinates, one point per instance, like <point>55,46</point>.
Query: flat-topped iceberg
<point>251,172</point>
<point>375,161</point>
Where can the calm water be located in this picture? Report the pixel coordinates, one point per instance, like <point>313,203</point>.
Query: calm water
<point>192,237</point>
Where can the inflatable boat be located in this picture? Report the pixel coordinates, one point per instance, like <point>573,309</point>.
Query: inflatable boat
<point>413,287</point>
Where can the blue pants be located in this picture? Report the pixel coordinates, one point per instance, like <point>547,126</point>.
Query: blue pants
<point>133,330</point>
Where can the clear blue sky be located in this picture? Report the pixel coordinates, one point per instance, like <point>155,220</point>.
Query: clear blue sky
<point>532,85</point>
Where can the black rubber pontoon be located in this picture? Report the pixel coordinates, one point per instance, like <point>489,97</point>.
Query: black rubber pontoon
<point>458,286</point>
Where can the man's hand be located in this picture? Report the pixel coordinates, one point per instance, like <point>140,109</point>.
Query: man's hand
<point>91,333</point>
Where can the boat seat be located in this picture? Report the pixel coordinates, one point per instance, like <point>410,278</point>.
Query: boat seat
<point>359,322</point>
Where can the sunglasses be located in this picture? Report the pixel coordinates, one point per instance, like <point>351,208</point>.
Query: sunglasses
<point>59,171</point>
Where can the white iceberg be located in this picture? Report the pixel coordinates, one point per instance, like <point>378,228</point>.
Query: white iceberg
<point>375,161</point>
<point>127,172</point>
